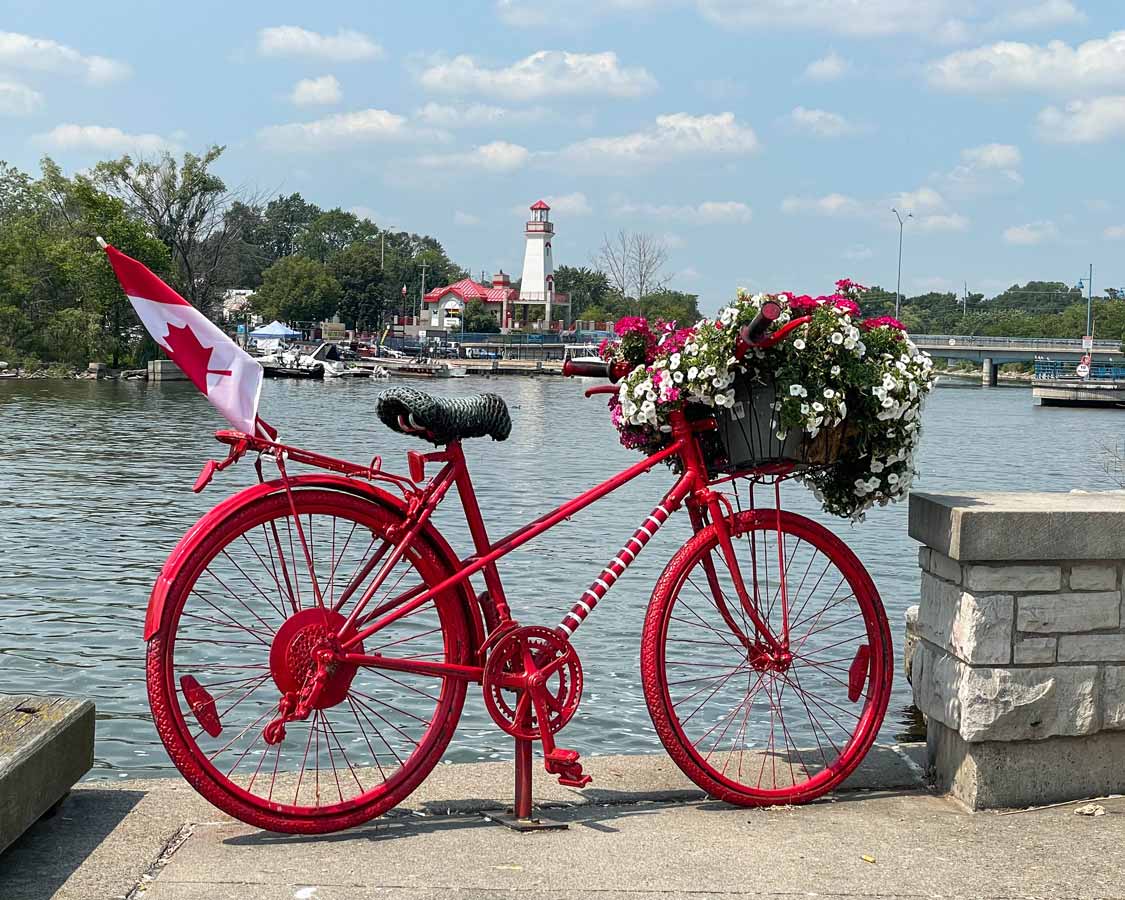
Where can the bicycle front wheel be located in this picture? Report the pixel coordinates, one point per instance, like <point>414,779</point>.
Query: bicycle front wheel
<point>241,622</point>
<point>747,724</point>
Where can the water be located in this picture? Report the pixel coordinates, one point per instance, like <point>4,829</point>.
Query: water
<point>95,488</point>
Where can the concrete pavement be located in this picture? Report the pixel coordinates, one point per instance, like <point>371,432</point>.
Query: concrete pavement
<point>640,831</point>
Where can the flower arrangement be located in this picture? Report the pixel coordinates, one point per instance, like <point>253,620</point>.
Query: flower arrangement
<point>863,378</point>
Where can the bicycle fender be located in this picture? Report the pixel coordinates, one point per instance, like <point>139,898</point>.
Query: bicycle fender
<point>158,598</point>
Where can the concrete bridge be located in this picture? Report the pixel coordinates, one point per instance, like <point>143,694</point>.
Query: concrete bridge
<point>991,352</point>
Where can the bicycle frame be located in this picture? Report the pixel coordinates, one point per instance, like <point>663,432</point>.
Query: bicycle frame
<point>691,487</point>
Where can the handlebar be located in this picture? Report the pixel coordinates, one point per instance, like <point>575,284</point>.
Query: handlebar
<point>613,371</point>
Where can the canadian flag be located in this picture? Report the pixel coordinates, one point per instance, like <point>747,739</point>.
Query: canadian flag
<point>229,377</point>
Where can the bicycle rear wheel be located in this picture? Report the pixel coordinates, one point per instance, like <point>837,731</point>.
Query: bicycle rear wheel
<point>745,727</point>
<point>241,621</point>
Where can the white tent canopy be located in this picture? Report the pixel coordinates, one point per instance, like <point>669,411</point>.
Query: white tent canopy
<point>274,330</point>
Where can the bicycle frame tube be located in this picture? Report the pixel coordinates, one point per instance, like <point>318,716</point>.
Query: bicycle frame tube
<point>455,471</point>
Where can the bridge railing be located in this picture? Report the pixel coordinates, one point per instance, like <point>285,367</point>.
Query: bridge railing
<point>973,341</point>
<point>1056,370</point>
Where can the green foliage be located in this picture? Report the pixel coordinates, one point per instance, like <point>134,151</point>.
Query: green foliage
<point>588,289</point>
<point>360,275</point>
<point>671,306</point>
<point>297,290</point>
<point>59,300</point>
<point>479,320</point>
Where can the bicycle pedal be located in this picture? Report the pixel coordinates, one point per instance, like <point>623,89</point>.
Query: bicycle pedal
<point>565,764</point>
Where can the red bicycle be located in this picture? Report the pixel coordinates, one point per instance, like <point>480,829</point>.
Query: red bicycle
<point>312,638</point>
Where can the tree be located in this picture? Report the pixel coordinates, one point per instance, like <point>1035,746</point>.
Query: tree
<point>64,303</point>
<point>284,221</point>
<point>184,204</point>
<point>633,263</point>
<point>360,275</point>
<point>585,287</point>
<point>331,231</point>
<point>671,306</point>
<point>297,289</point>
<point>479,320</point>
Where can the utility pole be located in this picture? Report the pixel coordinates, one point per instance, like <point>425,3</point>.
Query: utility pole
<point>898,286</point>
<point>965,301</point>
<point>422,293</point>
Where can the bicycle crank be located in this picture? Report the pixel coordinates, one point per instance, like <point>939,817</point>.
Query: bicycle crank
<point>532,668</point>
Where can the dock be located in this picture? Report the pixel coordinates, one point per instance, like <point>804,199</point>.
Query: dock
<point>46,745</point>
<point>1080,393</point>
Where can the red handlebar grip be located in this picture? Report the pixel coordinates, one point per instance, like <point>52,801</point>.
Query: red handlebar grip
<point>581,368</point>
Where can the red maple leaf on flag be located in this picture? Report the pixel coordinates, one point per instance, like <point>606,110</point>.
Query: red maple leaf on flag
<point>191,356</point>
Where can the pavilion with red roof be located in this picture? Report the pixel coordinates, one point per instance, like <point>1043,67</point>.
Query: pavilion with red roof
<point>444,307</point>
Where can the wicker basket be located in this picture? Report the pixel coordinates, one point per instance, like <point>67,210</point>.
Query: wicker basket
<point>747,439</point>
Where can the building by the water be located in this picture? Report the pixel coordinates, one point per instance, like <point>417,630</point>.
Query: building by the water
<point>535,306</point>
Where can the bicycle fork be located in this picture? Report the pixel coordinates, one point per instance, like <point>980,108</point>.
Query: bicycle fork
<point>764,647</point>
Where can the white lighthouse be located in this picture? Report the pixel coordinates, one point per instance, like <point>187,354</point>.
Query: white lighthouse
<point>538,282</point>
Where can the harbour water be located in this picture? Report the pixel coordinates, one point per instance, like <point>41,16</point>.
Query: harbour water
<point>95,488</point>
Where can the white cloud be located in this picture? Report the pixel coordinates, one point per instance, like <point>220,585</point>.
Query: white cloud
<point>1114,233</point>
<point>858,252</point>
<point>574,204</point>
<point>499,156</point>
<point>477,115</point>
<point>344,46</point>
<point>943,20</point>
<point>987,167</point>
<point>1032,233</point>
<point>362,126</point>
<point>102,139</point>
<point>535,14</point>
<point>853,17</point>
<point>827,68</point>
<point>464,218</point>
<point>828,205</point>
<point>1084,121</point>
<point>993,156</point>
<point>934,283</point>
<point>821,123</point>
<point>673,136</point>
<point>547,73</point>
<point>21,51</point>
<point>18,99</point>
<point>366,212</point>
<point>1040,15</point>
<point>1056,67</point>
<point>324,90</point>
<point>709,212</point>
<point>942,222</point>
<point>922,200</point>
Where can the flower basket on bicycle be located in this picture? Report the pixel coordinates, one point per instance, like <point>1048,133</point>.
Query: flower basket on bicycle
<point>747,436</point>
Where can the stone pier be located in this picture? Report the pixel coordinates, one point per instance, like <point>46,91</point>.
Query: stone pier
<point>1020,661</point>
<point>989,372</point>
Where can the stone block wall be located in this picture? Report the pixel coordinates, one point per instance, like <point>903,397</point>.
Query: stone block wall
<point>1020,660</point>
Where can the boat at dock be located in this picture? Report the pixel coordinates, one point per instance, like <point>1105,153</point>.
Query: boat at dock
<point>424,368</point>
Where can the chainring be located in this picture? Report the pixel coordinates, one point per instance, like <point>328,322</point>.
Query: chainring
<point>510,680</point>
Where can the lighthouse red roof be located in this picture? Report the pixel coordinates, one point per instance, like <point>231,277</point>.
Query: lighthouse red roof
<point>539,204</point>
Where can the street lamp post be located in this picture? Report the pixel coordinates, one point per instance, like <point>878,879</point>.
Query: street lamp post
<point>1089,300</point>
<point>898,284</point>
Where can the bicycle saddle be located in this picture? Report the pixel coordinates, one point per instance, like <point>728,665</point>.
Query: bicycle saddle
<point>441,420</point>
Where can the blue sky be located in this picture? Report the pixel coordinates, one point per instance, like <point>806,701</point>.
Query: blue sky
<point>765,140</point>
